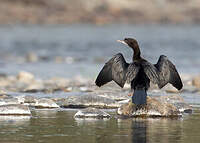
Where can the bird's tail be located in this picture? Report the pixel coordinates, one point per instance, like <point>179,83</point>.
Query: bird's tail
<point>139,97</point>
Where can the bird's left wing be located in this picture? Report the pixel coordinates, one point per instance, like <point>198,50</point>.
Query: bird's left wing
<point>118,70</point>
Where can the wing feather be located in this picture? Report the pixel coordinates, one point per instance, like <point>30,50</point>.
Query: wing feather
<point>151,71</point>
<point>167,73</point>
<point>118,70</point>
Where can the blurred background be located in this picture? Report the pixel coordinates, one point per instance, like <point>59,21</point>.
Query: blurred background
<point>76,37</point>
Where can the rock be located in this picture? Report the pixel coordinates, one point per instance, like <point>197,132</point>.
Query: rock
<point>170,89</point>
<point>91,113</point>
<point>8,101</point>
<point>154,108</point>
<point>4,96</point>
<point>196,81</point>
<point>16,109</point>
<point>117,96</point>
<point>85,89</point>
<point>25,77</point>
<point>34,87</point>
<point>177,101</point>
<point>88,100</point>
<point>30,99</point>
<point>45,103</point>
<point>31,57</point>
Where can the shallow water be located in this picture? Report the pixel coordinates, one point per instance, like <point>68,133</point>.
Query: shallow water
<point>60,126</point>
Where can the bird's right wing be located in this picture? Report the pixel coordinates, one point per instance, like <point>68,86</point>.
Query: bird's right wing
<point>118,70</point>
<point>167,73</point>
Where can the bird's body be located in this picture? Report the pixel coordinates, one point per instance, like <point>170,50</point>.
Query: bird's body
<point>139,73</point>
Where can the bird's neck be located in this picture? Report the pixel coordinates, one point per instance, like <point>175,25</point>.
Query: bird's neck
<point>137,53</point>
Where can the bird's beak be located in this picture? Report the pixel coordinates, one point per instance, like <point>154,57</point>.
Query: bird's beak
<point>121,41</point>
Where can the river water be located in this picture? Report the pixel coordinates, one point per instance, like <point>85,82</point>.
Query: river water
<point>84,49</point>
<point>60,126</point>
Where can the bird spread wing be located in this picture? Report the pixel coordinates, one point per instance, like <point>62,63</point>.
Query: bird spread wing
<point>118,70</point>
<point>167,73</point>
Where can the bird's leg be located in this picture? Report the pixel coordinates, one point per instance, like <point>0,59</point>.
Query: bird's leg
<point>139,97</point>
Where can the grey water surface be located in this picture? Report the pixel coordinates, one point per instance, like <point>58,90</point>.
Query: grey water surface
<point>60,127</point>
<point>87,47</point>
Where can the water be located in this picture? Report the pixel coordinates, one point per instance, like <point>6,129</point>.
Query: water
<point>90,46</point>
<point>60,126</point>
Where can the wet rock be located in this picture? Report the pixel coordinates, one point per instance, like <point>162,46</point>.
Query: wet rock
<point>153,108</point>
<point>170,89</point>
<point>14,110</point>
<point>8,101</point>
<point>82,101</point>
<point>35,87</point>
<point>177,101</point>
<point>85,89</point>
<point>45,103</point>
<point>25,77</point>
<point>196,81</point>
<point>117,96</point>
<point>30,99</point>
<point>91,113</point>
<point>3,96</point>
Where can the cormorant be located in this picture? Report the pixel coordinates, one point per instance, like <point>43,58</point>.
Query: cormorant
<point>139,73</point>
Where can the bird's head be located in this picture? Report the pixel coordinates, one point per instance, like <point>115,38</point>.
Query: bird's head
<point>130,42</point>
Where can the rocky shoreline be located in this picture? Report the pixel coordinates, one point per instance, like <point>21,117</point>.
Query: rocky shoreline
<point>24,90</point>
<point>98,12</point>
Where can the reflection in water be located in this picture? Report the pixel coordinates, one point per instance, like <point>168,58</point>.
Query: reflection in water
<point>156,130</point>
<point>139,131</point>
<point>60,126</point>
<point>15,120</point>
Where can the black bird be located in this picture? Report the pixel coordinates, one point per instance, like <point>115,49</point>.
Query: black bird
<point>139,73</point>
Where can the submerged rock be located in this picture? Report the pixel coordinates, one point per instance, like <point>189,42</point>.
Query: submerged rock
<point>83,101</point>
<point>91,113</point>
<point>45,103</point>
<point>153,108</point>
<point>16,109</point>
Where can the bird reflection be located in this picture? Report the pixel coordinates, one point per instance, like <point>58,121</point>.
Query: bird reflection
<point>139,131</point>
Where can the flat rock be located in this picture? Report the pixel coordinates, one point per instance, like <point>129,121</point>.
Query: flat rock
<point>16,109</point>
<point>153,108</point>
<point>82,101</point>
<point>45,103</point>
<point>91,113</point>
<point>8,101</point>
<point>117,96</point>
